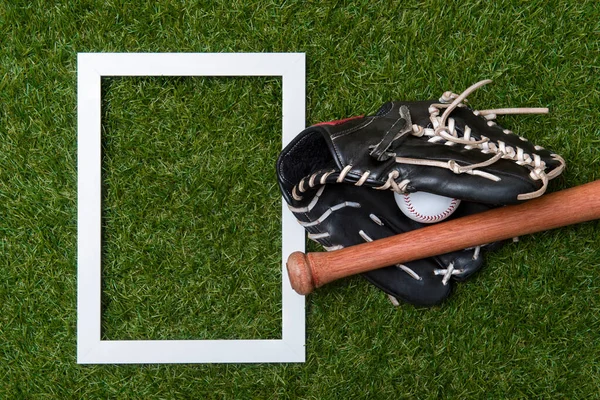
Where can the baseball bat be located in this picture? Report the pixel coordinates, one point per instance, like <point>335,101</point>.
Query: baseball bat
<point>566,207</point>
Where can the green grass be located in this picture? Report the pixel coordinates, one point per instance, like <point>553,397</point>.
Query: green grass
<point>191,208</point>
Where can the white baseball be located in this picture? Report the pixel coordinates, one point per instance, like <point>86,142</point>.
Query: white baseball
<point>426,207</point>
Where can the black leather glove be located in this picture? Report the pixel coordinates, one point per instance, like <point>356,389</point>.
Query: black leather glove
<point>339,180</point>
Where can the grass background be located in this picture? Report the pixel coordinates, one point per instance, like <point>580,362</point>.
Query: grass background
<point>191,209</point>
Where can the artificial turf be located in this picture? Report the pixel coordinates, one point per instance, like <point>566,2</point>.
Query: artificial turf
<point>191,226</point>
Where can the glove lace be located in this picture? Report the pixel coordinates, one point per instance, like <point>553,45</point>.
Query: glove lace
<point>447,273</point>
<point>443,129</point>
<point>320,177</point>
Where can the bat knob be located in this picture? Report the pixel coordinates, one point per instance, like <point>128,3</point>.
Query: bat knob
<point>300,273</point>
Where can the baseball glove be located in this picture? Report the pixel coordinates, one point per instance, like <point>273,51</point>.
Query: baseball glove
<point>339,179</point>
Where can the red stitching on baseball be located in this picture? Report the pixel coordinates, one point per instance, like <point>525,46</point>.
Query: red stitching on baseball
<point>430,218</point>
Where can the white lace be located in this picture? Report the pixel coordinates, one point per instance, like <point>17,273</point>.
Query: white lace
<point>390,182</point>
<point>448,272</point>
<point>443,130</point>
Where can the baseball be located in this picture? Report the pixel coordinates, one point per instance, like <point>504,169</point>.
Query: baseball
<point>426,207</point>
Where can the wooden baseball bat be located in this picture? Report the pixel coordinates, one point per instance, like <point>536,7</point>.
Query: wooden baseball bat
<point>567,207</point>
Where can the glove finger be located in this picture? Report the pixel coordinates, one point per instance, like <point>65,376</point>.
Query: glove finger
<point>426,291</point>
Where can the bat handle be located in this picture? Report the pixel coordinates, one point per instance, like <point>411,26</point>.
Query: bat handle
<point>571,206</point>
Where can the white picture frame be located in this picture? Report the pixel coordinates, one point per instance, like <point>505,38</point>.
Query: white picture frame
<point>91,67</point>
